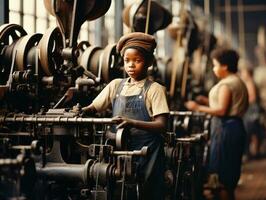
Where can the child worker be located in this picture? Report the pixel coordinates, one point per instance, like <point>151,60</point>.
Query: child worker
<point>139,104</point>
<point>227,102</point>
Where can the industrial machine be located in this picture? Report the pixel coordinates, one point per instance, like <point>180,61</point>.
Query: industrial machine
<point>49,152</point>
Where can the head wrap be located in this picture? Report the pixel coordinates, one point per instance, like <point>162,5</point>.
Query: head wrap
<point>137,40</point>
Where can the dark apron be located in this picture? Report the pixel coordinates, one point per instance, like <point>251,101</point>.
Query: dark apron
<point>227,147</point>
<point>150,169</point>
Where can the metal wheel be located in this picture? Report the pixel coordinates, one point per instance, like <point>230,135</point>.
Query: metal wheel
<point>99,9</point>
<point>50,47</point>
<point>9,35</point>
<point>89,59</point>
<point>109,60</point>
<point>81,48</point>
<point>25,44</point>
<point>120,139</point>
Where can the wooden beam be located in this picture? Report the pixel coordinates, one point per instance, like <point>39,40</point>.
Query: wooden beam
<point>241,29</point>
<point>246,8</point>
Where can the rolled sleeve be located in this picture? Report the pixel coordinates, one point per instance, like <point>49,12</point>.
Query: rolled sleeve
<point>158,99</point>
<point>106,96</point>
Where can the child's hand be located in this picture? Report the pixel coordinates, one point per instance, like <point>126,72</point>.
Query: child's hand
<point>202,99</point>
<point>191,105</point>
<point>122,121</point>
<point>76,109</point>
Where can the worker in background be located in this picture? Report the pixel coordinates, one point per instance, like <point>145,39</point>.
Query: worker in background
<point>227,103</point>
<point>260,82</point>
<point>252,116</point>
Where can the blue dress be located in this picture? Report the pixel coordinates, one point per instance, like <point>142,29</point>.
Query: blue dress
<point>227,147</point>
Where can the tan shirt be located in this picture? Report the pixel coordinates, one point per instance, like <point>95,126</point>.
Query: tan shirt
<point>239,102</point>
<point>155,97</point>
<point>260,81</point>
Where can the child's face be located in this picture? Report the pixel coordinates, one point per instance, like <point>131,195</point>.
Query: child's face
<point>134,63</point>
<point>218,69</point>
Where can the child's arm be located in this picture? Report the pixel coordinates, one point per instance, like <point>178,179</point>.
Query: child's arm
<point>224,100</point>
<point>102,101</point>
<point>158,125</point>
<point>202,100</point>
<point>90,109</point>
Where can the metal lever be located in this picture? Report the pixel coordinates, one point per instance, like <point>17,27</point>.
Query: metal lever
<point>142,152</point>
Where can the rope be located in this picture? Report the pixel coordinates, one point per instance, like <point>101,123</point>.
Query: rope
<point>148,17</point>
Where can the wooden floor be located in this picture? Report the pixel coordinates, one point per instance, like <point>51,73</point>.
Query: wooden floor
<point>252,184</point>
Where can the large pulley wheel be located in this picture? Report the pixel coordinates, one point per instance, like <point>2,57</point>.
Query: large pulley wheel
<point>99,9</point>
<point>10,31</point>
<point>90,59</point>
<point>51,46</point>
<point>109,60</point>
<point>81,48</point>
<point>9,35</point>
<point>91,9</point>
<point>77,13</point>
<point>121,139</point>
<point>25,44</point>
<point>101,62</point>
